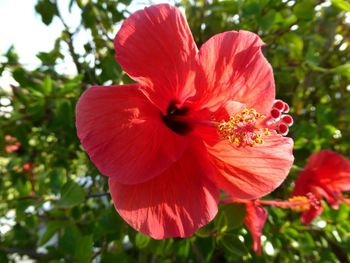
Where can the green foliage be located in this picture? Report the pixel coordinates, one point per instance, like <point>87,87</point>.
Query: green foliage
<point>72,194</point>
<point>47,9</point>
<point>230,217</point>
<point>59,205</point>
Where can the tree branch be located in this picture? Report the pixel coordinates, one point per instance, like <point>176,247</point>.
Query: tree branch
<point>96,195</point>
<point>69,42</point>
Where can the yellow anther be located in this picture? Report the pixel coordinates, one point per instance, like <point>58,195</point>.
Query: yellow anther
<point>241,129</point>
<point>267,132</point>
<point>299,203</point>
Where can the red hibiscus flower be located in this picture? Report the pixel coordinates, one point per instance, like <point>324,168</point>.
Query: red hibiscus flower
<point>195,122</point>
<point>326,175</point>
<point>255,220</point>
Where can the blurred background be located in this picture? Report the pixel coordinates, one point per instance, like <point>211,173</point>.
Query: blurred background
<point>54,204</point>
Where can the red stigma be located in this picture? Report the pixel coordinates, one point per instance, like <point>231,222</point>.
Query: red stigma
<point>279,105</point>
<point>286,108</point>
<point>287,119</point>
<point>283,128</point>
<point>275,113</point>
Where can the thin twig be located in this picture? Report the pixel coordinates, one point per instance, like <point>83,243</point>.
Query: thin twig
<point>69,42</point>
<point>96,195</point>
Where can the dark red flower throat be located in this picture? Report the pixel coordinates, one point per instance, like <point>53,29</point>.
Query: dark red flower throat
<point>171,119</point>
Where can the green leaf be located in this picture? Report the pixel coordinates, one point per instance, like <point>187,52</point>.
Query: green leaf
<point>108,223</point>
<point>70,238</point>
<point>183,248</point>
<point>72,194</point>
<point>251,8</point>
<point>232,244</point>
<point>235,214</point>
<point>206,246</point>
<point>230,217</point>
<point>295,44</point>
<point>58,178</point>
<point>64,113</point>
<point>47,10</point>
<point>83,251</point>
<point>305,9</point>
<point>37,109</point>
<point>341,4</point>
<point>267,21</point>
<point>300,143</point>
<point>51,229</point>
<point>141,241</point>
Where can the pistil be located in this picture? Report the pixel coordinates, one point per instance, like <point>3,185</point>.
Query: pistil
<point>249,127</point>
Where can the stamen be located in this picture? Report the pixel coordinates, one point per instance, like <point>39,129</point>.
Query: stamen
<point>299,203</point>
<point>296,203</point>
<point>242,129</point>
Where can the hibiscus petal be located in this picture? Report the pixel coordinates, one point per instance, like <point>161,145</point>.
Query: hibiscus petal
<point>174,204</point>
<point>255,220</point>
<point>252,172</point>
<point>234,68</point>
<point>155,47</point>
<point>332,170</point>
<point>124,135</point>
<point>308,216</point>
<point>303,184</point>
